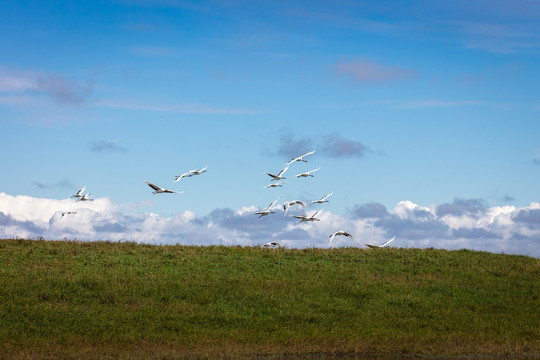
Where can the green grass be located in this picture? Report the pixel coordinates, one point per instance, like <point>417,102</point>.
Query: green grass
<point>123,300</point>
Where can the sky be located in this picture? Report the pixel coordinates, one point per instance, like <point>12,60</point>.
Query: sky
<point>424,117</point>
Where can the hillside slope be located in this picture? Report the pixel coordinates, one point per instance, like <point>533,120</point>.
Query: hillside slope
<point>123,300</point>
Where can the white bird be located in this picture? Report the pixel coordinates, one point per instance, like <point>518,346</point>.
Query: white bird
<point>308,218</point>
<point>79,193</point>
<point>160,190</point>
<point>340,232</point>
<point>198,172</point>
<point>271,245</point>
<point>300,158</point>
<point>266,211</point>
<point>382,245</point>
<point>273,185</point>
<point>323,199</point>
<point>68,212</point>
<point>85,197</point>
<point>280,175</point>
<point>307,173</point>
<point>186,174</point>
<point>292,203</point>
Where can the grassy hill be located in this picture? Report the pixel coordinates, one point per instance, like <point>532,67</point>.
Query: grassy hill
<point>123,300</point>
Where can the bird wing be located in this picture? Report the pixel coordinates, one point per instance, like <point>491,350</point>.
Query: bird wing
<point>186,174</point>
<point>272,204</point>
<point>332,237</point>
<point>302,204</point>
<point>309,153</point>
<point>389,241</point>
<point>309,172</point>
<point>283,171</point>
<point>315,213</point>
<point>327,196</point>
<point>155,187</point>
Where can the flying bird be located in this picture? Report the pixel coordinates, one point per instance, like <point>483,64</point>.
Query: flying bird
<point>291,203</point>
<point>337,233</point>
<point>186,174</point>
<point>308,218</point>
<point>160,190</point>
<point>307,173</point>
<point>279,176</point>
<point>273,185</point>
<point>382,245</point>
<point>198,172</point>
<point>323,199</point>
<point>266,211</point>
<point>300,158</point>
<point>271,245</point>
<point>85,197</point>
<point>79,193</point>
<point>68,213</point>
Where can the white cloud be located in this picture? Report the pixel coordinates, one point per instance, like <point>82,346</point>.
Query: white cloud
<point>462,224</point>
<point>27,208</point>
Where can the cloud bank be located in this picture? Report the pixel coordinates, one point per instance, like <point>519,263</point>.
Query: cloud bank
<point>464,223</point>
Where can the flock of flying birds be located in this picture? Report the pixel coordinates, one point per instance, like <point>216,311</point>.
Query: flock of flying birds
<point>280,180</point>
<point>80,196</point>
<point>189,173</point>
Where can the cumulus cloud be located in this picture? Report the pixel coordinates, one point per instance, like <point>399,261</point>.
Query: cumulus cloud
<point>367,72</point>
<point>464,223</point>
<point>461,206</point>
<point>369,210</point>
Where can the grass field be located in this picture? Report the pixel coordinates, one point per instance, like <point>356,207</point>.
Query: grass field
<point>123,300</point>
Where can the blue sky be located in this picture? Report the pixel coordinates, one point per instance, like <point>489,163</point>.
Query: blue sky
<point>423,105</point>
